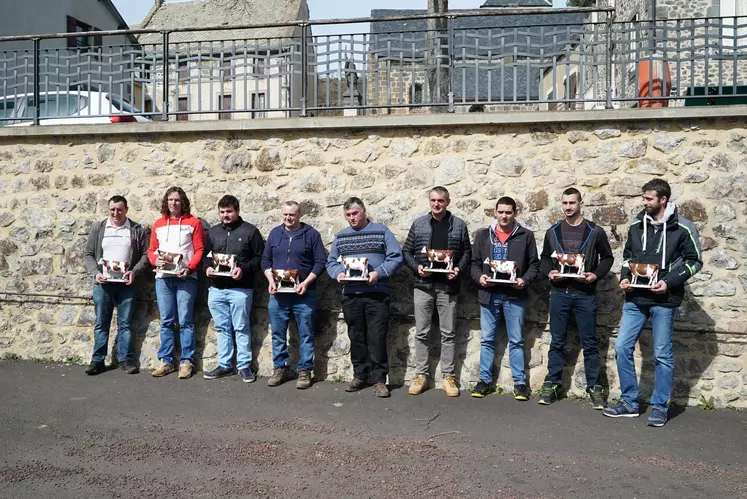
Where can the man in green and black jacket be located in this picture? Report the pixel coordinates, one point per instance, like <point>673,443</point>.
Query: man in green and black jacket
<point>659,237</point>
<point>574,235</point>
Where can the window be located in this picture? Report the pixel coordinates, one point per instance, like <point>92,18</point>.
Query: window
<point>182,64</point>
<point>258,102</point>
<point>734,38</point>
<point>7,106</point>
<point>260,66</point>
<point>416,94</point>
<point>224,102</point>
<point>182,107</point>
<point>53,106</point>
<point>226,66</point>
<point>82,41</point>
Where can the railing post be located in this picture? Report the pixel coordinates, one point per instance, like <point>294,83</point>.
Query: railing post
<point>451,22</point>
<point>37,83</point>
<point>304,69</point>
<point>608,62</point>
<point>165,110</point>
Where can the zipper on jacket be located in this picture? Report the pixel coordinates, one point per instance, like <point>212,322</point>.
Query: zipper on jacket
<point>288,254</point>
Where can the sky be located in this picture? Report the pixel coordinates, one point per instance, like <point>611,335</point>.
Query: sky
<point>134,11</point>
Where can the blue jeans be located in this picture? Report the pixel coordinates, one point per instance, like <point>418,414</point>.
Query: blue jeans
<point>176,297</point>
<point>230,309</point>
<point>634,318</point>
<point>105,298</point>
<point>584,308</point>
<point>303,307</point>
<point>490,315</point>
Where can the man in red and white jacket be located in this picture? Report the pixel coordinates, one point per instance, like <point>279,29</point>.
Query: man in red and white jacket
<point>177,232</point>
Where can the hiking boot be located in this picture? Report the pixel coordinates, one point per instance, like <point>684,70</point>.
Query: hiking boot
<point>163,370</point>
<point>419,385</point>
<point>548,393</point>
<point>597,398</point>
<point>218,372</point>
<point>381,391</point>
<point>621,410</point>
<point>521,392</point>
<point>279,375</point>
<point>658,417</point>
<point>356,385</point>
<point>186,369</point>
<point>247,375</point>
<point>450,387</point>
<point>129,367</point>
<point>304,379</point>
<point>95,368</point>
<point>482,389</point>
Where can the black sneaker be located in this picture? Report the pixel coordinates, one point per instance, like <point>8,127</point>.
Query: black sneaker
<point>521,392</point>
<point>247,375</point>
<point>129,368</point>
<point>218,372</point>
<point>95,368</point>
<point>548,393</point>
<point>482,389</point>
<point>597,397</point>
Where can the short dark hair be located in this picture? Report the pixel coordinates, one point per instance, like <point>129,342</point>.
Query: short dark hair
<point>571,191</point>
<point>440,190</point>
<point>352,201</point>
<point>229,201</point>
<point>659,185</point>
<point>118,199</point>
<point>182,195</point>
<point>506,200</point>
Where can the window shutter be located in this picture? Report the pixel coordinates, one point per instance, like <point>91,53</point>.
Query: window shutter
<point>71,24</point>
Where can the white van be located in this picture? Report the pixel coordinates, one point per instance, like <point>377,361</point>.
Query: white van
<point>68,108</point>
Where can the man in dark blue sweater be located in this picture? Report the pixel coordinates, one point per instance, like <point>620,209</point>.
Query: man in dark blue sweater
<point>293,245</point>
<point>365,305</point>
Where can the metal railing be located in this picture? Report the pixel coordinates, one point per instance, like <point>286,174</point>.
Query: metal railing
<point>465,61</point>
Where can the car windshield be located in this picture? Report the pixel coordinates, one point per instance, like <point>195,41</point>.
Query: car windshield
<point>7,106</point>
<point>121,104</point>
<point>53,106</point>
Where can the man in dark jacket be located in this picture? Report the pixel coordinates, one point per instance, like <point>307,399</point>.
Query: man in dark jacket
<point>505,239</point>
<point>574,235</point>
<point>116,239</point>
<point>438,230</point>
<point>293,245</point>
<point>658,236</point>
<point>230,297</point>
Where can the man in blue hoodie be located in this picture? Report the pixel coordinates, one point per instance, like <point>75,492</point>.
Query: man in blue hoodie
<point>293,245</point>
<point>657,236</point>
<point>365,305</point>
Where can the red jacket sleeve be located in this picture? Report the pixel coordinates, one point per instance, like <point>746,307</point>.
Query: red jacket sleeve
<point>198,243</point>
<point>154,242</point>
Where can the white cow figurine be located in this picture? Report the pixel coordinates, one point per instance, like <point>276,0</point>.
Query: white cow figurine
<point>648,271</point>
<point>575,260</point>
<point>359,264</point>
<point>502,267</point>
<point>113,269</point>
<point>445,257</point>
<point>223,260</point>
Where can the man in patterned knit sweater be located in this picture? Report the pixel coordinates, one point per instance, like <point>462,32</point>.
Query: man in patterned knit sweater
<point>365,305</point>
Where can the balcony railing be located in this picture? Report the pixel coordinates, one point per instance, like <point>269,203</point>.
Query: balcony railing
<point>465,61</point>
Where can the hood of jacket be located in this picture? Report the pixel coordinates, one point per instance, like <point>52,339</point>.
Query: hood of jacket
<point>668,221</point>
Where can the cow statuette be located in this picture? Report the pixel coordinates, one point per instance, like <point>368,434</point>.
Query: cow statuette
<point>223,263</point>
<point>440,257</point>
<point>574,260</point>
<point>648,271</point>
<point>505,267</point>
<point>356,268</point>
<point>174,262</point>
<point>113,270</point>
<point>286,280</point>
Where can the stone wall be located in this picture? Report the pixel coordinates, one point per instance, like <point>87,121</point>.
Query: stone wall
<point>51,189</point>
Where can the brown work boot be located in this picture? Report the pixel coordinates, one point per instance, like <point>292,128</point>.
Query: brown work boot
<point>164,369</point>
<point>450,387</point>
<point>304,379</point>
<point>186,369</point>
<point>381,391</point>
<point>356,385</point>
<point>419,385</point>
<point>279,375</point>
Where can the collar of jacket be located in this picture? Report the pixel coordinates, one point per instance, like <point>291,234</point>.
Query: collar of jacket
<point>233,225</point>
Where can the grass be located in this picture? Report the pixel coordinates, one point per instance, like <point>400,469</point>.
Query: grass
<point>74,360</point>
<point>706,405</point>
<point>338,378</point>
<point>11,356</point>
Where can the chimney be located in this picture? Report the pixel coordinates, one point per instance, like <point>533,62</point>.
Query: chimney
<point>159,2</point>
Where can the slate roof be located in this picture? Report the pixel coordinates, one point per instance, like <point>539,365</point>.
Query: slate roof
<point>524,35</point>
<point>516,3</point>
<point>198,13</point>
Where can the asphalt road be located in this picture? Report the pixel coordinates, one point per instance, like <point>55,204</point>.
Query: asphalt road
<point>64,434</point>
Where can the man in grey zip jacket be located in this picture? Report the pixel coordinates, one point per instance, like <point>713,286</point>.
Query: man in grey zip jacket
<point>443,231</point>
<point>115,239</point>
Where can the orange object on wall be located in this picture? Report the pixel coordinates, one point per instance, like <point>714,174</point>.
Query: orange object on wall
<point>654,80</point>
